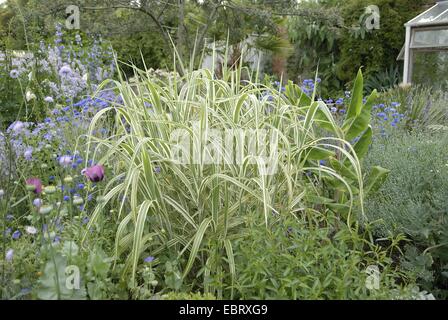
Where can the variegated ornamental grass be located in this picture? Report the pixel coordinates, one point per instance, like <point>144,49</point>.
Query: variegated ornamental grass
<point>196,210</point>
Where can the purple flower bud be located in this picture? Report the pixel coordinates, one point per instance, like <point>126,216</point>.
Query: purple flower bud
<point>95,173</point>
<point>36,183</point>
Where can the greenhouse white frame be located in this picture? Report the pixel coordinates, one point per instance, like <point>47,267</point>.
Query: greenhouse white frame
<point>428,32</point>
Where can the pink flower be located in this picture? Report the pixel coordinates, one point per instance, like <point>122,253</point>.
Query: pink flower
<point>95,173</point>
<point>36,183</point>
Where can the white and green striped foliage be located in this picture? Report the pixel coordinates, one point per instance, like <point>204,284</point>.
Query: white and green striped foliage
<point>195,209</point>
<point>356,129</point>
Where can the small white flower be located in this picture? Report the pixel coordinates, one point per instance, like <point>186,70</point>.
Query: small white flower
<point>31,230</point>
<point>49,99</point>
<point>14,74</point>
<point>65,161</point>
<point>2,193</point>
<point>30,96</point>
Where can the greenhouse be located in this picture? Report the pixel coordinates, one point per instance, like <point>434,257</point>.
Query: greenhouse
<point>426,47</point>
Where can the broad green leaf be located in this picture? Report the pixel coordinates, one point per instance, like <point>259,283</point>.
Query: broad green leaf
<point>357,95</point>
<point>376,178</point>
<point>54,283</point>
<point>362,146</point>
<point>354,127</point>
<point>317,153</point>
<point>342,169</point>
<point>296,96</point>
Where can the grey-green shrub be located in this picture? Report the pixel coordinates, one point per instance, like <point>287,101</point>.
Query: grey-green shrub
<point>414,198</point>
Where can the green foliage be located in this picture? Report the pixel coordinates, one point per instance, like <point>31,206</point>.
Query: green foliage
<point>339,44</point>
<point>300,259</point>
<point>196,209</point>
<point>379,49</point>
<point>383,81</point>
<point>53,283</point>
<point>187,296</point>
<point>315,45</point>
<point>420,111</point>
<point>413,200</point>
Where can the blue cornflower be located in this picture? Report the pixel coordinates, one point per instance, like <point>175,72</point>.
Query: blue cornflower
<point>80,186</point>
<point>149,259</point>
<point>66,198</point>
<point>16,235</point>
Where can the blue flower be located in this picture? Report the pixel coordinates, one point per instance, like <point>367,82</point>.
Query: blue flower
<point>80,186</point>
<point>9,255</point>
<point>66,198</point>
<point>149,259</point>
<point>14,74</point>
<point>16,235</point>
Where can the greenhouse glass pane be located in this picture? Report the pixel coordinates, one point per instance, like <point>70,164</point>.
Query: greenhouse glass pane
<point>431,68</point>
<point>430,38</point>
<point>432,14</point>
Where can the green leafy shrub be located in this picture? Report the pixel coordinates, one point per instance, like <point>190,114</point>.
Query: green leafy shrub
<point>413,200</point>
<point>296,259</point>
<point>377,50</point>
<point>187,296</point>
